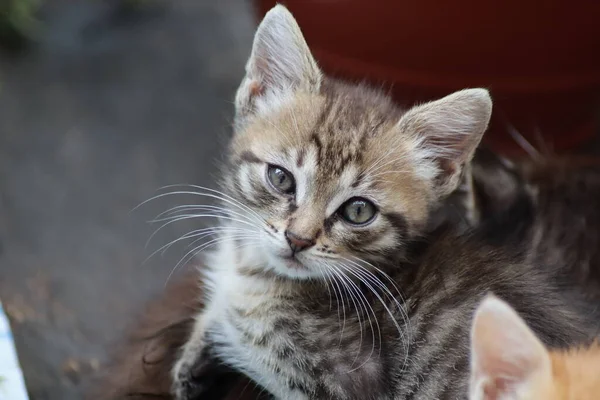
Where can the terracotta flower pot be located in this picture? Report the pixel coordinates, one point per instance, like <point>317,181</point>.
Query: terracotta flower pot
<point>540,59</point>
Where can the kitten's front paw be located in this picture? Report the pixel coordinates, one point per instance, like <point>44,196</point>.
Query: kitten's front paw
<point>185,384</point>
<point>194,376</point>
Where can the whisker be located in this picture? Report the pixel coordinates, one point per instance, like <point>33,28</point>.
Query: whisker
<point>215,194</point>
<point>194,252</point>
<point>191,216</point>
<point>192,207</point>
<point>405,334</point>
<point>196,233</point>
<point>330,279</point>
<point>522,142</point>
<point>219,195</point>
<point>355,300</point>
<point>389,279</point>
<point>322,273</point>
<point>247,233</point>
<point>340,299</point>
<point>365,302</point>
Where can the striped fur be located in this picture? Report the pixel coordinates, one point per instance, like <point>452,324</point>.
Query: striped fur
<point>329,321</point>
<point>141,368</point>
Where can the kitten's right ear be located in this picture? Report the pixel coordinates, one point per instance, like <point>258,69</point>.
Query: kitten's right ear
<point>446,133</point>
<point>279,64</point>
<point>506,356</point>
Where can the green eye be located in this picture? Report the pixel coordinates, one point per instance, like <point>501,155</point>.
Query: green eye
<point>358,211</point>
<point>281,179</point>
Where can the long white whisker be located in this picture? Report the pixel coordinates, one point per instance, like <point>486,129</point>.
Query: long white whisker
<point>192,207</point>
<point>179,217</point>
<point>367,307</point>
<point>404,334</point>
<point>355,301</point>
<point>339,299</point>
<point>192,216</point>
<point>322,272</point>
<point>345,290</point>
<point>196,233</point>
<point>194,252</point>
<point>330,279</point>
<point>386,276</point>
<point>245,233</point>
<point>215,194</point>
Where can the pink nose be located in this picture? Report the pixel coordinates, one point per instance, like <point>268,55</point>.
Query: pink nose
<point>298,243</point>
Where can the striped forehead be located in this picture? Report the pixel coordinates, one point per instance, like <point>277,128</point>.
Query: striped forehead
<point>324,183</point>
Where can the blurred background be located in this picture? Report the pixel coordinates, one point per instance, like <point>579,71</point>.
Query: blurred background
<point>103,102</point>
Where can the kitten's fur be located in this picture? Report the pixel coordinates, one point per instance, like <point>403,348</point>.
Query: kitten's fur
<point>547,209</point>
<point>509,362</point>
<point>271,310</point>
<point>140,369</point>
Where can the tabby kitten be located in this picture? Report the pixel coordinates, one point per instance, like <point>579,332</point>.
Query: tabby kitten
<point>328,187</point>
<point>509,362</point>
<point>517,197</point>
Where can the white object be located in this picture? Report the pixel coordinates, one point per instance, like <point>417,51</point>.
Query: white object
<point>12,384</point>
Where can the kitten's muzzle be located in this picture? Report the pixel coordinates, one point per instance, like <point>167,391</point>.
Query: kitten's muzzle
<point>298,243</point>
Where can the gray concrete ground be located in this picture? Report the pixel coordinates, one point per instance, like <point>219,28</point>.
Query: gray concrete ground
<point>105,110</point>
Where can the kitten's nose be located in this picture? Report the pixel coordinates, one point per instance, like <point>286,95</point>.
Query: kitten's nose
<point>297,243</point>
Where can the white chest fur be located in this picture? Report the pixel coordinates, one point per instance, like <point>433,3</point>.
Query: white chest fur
<point>240,310</point>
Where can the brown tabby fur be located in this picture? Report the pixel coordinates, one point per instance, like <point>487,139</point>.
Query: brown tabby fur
<point>549,209</point>
<point>269,313</point>
<point>167,321</point>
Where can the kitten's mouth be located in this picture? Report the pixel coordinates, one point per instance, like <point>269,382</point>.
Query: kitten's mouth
<point>292,263</point>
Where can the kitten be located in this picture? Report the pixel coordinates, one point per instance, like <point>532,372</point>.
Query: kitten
<point>509,362</point>
<point>141,368</point>
<point>328,189</point>
<point>333,176</point>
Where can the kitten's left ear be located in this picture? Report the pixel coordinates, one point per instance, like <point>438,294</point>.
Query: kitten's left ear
<point>280,63</point>
<point>506,356</point>
<point>446,133</point>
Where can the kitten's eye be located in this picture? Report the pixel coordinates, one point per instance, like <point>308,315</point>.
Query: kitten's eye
<point>281,179</point>
<point>358,211</point>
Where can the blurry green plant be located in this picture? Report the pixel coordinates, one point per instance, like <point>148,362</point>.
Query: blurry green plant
<point>18,22</point>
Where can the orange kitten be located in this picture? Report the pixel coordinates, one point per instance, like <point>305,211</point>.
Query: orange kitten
<point>508,361</point>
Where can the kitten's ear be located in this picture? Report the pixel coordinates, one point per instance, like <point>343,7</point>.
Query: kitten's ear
<point>280,63</point>
<point>446,133</point>
<point>506,356</point>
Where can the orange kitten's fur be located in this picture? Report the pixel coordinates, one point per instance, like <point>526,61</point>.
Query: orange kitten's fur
<point>510,363</point>
<point>576,373</point>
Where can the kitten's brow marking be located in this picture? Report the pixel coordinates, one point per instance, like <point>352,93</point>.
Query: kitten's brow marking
<point>250,157</point>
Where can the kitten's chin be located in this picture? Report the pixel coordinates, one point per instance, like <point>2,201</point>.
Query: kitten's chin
<point>291,267</point>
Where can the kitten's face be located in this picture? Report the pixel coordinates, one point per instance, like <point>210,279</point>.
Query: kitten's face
<point>336,174</point>
<point>332,181</point>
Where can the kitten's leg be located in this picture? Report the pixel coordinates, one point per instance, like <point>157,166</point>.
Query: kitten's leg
<point>196,369</point>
